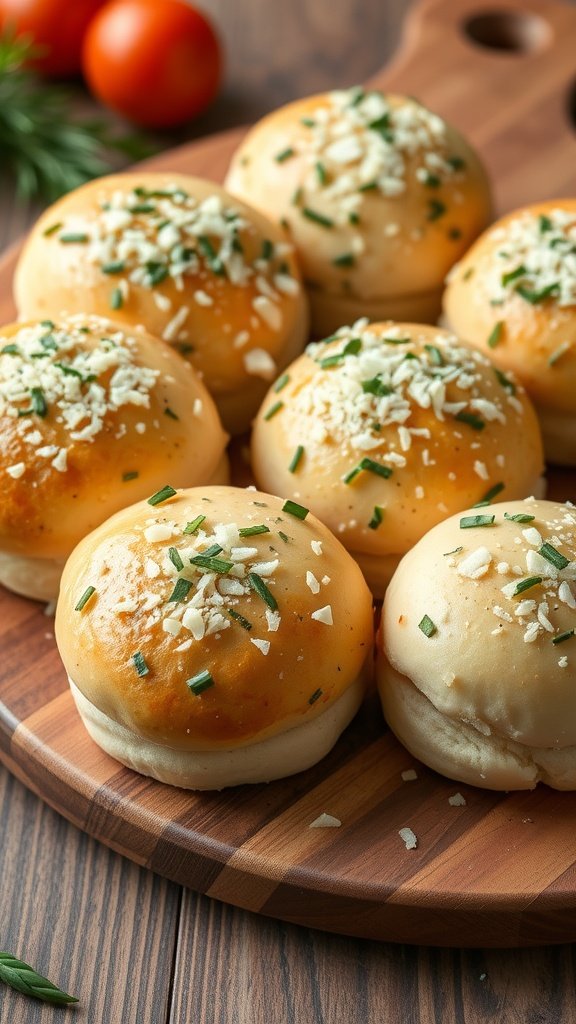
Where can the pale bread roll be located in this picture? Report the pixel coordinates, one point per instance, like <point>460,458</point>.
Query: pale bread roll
<point>208,274</point>
<point>435,427</point>
<point>477,652</point>
<point>379,195</point>
<point>243,667</point>
<point>513,296</point>
<point>93,416</point>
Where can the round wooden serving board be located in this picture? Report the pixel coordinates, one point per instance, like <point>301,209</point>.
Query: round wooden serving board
<point>500,870</point>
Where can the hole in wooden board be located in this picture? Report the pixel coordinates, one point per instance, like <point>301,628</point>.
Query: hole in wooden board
<point>515,32</point>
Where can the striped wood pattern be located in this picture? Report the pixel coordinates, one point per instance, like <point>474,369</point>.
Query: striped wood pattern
<point>499,871</point>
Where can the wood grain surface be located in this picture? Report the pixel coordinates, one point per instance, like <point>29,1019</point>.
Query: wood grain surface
<point>64,895</point>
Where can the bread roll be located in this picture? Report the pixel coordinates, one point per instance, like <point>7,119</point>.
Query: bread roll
<point>92,417</point>
<point>388,428</point>
<point>477,659</point>
<point>209,275</point>
<point>214,638</point>
<point>379,195</point>
<point>514,297</point>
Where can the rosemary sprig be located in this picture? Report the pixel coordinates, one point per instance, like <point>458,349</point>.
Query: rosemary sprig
<point>43,148</point>
<point>25,979</point>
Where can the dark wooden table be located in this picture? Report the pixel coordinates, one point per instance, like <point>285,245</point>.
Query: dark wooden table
<point>137,949</point>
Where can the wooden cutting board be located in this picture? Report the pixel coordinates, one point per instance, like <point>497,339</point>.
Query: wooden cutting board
<point>497,871</point>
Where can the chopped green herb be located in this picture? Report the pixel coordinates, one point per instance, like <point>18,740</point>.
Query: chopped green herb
<point>194,525</point>
<point>253,531</point>
<point>321,173</point>
<point>377,517</point>
<point>495,334</point>
<point>273,410</point>
<point>490,495</point>
<point>267,250</point>
<point>296,459</point>
<point>436,209</point>
<point>214,549</point>
<point>85,598</point>
<point>556,558</point>
<point>140,664</point>
<point>181,591</point>
<point>116,299</point>
<point>534,297</point>
<point>212,564</point>
<point>455,551</point>
<point>457,163</point>
<point>435,355</point>
<point>162,495</point>
<point>169,412</point>
<point>454,234</point>
<point>432,180</point>
<point>284,537</point>
<point>293,509</point>
<point>260,588</point>
<point>315,696</point>
<point>72,236</point>
<point>427,626</point>
<point>370,466</point>
<point>214,262</point>
<point>39,405</point>
<point>156,273</point>
<point>513,275</point>
<point>468,274</point>
<point>297,196</point>
<point>114,267</point>
<point>527,584</point>
<point>353,217</point>
<point>200,682</point>
<point>281,382</point>
<point>369,186</point>
<point>10,350</point>
<point>132,474</point>
<point>317,218</point>
<point>468,522</point>
<point>284,154</point>
<point>469,417</point>
<point>351,348</point>
<point>174,556</point>
<point>52,229</point>
<point>396,341</point>
<point>376,386</point>
<point>308,122</point>
<point>563,636</point>
<point>238,618</point>
<point>143,208</point>
<point>519,517</point>
<point>347,259</point>
<point>544,223</point>
<point>505,381</point>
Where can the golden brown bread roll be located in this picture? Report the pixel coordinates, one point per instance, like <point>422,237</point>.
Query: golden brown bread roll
<point>92,417</point>
<point>214,637</point>
<point>177,254</point>
<point>388,428</point>
<point>379,195</point>
<point>514,297</point>
<point>477,661</point>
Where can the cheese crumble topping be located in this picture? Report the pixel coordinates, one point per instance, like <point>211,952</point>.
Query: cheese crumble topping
<point>535,259</point>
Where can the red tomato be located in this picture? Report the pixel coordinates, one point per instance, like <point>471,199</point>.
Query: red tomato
<point>58,26</point>
<point>157,62</point>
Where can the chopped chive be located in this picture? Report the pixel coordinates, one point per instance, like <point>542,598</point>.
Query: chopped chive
<point>455,551</point>
<point>184,348</point>
<point>427,626</point>
<point>140,664</point>
<point>284,154</point>
<point>214,549</point>
<point>432,180</point>
<point>468,522</point>
<point>50,325</point>
<point>260,588</point>
<point>39,405</point>
<point>317,218</point>
<point>527,584</point>
<point>267,250</point>
<point>377,517</point>
<point>513,275</point>
<point>376,386</point>
<point>48,342</point>
<point>296,458</point>
<point>200,682</point>
<point>169,412</point>
<point>174,556</point>
<point>457,163</point>
<point>281,382</point>
<point>544,223</point>
<point>238,618</point>
<point>10,350</point>
<point>72,236</point>
<point>369,186</point>
<point>132,474</point>
<point>534,297</point>
<point>194,525</point>
<point>495,334</point>
<point>85,598</point>
<point>396,341</point>
<point>490,495</point>
<point>505,381</point>
<point>435,355</point>
<point>273,410</point>
<point>181,591</point>
<point>558,353</point>
<point>162,495</point>
<point>519,517</point>
<point>284,537</point>
<point>113,267</point>
<point>351,348</point>
<point>211,563</point>
<point>351,475</point>
<point>563,636</point>
<point>297,195</point>
<point>308,122</point>
<point>50,230</point>
<point>468,274</point>
<point>293,509</point>
<point>116,299</point>
<point>156,273</point>
<point>315,696</point>
<point>321,173</point>
<point>358,96</point>
<point>436,209</point>
<point>143,208</point>
<point>253,531</point>
<point>353,217</point>
<point>347,259</point>
<point>555,557</point>
<point>383,127</point>
<point>454,234</point>
<point>473,421</point>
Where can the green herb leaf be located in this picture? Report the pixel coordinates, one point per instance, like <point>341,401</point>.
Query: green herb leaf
<point>317,218</point>
<point>85,598</point>
<point>281,382</point>
<point>239,619</point>
<point>162,495</point>
<point>436,209</point>
<point>194,525</point>
<point>285,154</point>
<point>296,459</point>
<point>260,588</point>
<point>132,474</point>
<point>200,682</point>
<point>20,976</point>
<point>293,509</point>
<point>505,381</point>
<point>563,636</point>
<point>273,410</point>
<point>180,592</point>
<point>495,334</point>
<point>527,584</point>
<point>140,664</point>
<point>347,259</point>
<point>535,296</point>
<point>427,626</point>
<point>552,555</point>
<point>315,696</point>
<point>490,495</point>
<point>471,419</point>
<point>468,522</point>
<point>211,563</point>
<point>174,556</point>
<point>377,517</point>
<point>519,517</point>
<point>513,275</point>
<point>253,531</point>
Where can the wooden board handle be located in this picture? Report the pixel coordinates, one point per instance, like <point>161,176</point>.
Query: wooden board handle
<point>504,72</point>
